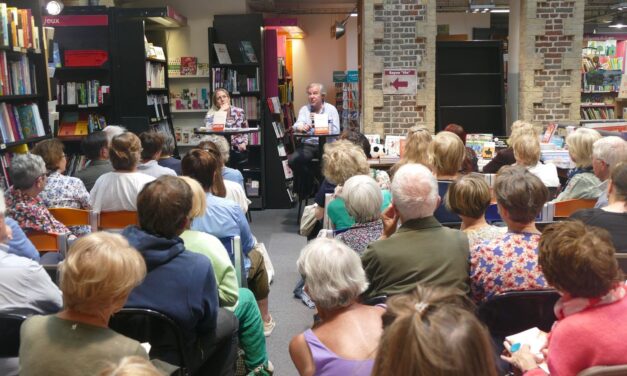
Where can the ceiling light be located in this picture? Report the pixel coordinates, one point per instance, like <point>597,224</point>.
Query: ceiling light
<point>618,23</point>
<point>500,10</point>
<point>353,14</point>
<point>54,7</point>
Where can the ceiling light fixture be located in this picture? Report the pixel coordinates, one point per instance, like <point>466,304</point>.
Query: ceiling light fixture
<point>54,8</point>
<point>338,29</point>
<point>500,10</point>
<point>618,23</point>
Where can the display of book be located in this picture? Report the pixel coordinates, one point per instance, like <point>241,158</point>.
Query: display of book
<point>155,75</point>
<point>234,81</point>
<point>83,94</point>
<point>17,28</point>
<point>250,105</point>
<point>222,53</point>
<point>190,98</point>
<point>189,66</point>
<point>80,124</point>
<point>20,122</point>
<point>17,76</point>
<point>248,53</point>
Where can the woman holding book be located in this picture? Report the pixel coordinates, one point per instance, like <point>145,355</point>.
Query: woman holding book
<point>235,118</point>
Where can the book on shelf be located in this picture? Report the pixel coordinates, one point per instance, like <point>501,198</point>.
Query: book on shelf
<point>254,138</point>
<point>157,104</point>
<point>155,75</point>
<point>274,105</point>
<point>287,171</point>
<point>393,145</point>
<point>83,94</point>
<point>159,53</point>
<point>597,113</point>
<point>279,131</point>
<point>174,66</point>
<point>17,76</point>
<point>189,66</point>
<point>222,53</point>
<point>80,124</point>
<point>248,52</point>
<point>20,122</point>
<point>281,149</point>
<point>76,163</point>
<point>190,98</point>
<point>17,28</point>
<point>250,105</point>
<point>234,81</point>
<point>252,187</point>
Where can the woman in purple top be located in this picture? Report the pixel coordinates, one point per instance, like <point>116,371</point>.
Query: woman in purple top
<point>346,339</point>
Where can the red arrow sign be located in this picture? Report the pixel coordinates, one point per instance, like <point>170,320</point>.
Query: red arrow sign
<point>396,83</point>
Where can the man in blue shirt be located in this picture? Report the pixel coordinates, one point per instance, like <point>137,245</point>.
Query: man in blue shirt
<point>300,160</point>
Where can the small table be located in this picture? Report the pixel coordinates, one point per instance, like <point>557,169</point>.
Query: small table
<point>322,139</point>
<point>384,163</point>
<point>227,132</point>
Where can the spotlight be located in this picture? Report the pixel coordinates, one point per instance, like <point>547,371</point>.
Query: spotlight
<point>54,7</point>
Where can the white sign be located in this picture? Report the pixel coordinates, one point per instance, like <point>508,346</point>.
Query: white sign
<point>400,81</point>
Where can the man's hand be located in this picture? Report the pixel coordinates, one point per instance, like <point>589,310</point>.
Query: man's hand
<point>304,128</point>
<point>390,221</point>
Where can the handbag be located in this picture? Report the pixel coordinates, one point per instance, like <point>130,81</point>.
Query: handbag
<point>308,220</point>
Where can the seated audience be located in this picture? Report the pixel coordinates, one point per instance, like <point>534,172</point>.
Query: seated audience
<point>581,181</point>
<point>240,301</point>
<point>113,130</point>
<point>118,190</point>
<point>447,153</point>
<point>342,160</point>
<point>353,135</point>
<point>416,148</point>
<point>469,197</point>
<point>363,200</point>
<point>95,146</point>
<point>191,297</point>
<point>166,159</point>
<point>228,173</point>
<point>527,153</point>
<point>152,145</point>
<point>607,152</point>
<point>225,188</point>
<point>97,275</point>
<point>29,177</point>
<point>591,324</point>
<point>433,331</point>
<point>505,157</point>
<point>61,191</point>
<point>346,339</point>
<point>510,261</point>
<point>421,250</point>
<point>613,216</point>
<point>224,219</point>
<point>470,160</point>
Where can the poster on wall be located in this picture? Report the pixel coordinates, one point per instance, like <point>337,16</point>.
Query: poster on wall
<point>400,81</point>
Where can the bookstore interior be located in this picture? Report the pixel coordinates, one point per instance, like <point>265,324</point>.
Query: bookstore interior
<point>71,70</point>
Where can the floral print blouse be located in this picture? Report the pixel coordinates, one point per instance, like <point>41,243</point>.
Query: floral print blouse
<point>236,118</point>
<point>361,234</point>
<point>66,192</point>
<point>31,213</point>
<point>508,262</point>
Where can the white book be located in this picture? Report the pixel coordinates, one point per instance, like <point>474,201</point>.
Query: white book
<point>222,53</point>
<point>38,122</point>
<point>393,145</point>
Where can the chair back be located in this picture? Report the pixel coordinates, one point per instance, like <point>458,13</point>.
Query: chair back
<point>326,222</point>
<point>515,311</point>
<point>117,219</point>
<point>74,217</point>
<point>49,242</point>
<point>492,214</point>
<point>233,245</point>
<point>565,208</point>
<point>53,272</point>
<point>621,257</point>
<point>164,334</point>
<point>620,370</point>
<point>10,324</point>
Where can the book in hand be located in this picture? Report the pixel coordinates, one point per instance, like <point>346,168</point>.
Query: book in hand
<point>535,339</point>
<point>248,52</point>
<point>222,53</point>
<point>219,120</point>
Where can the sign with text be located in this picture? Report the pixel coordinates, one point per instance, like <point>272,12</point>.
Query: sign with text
<point>77,20</point>
<point>400,81</point>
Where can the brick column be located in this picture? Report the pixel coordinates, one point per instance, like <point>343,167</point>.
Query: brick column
<point>550,60</point>
<point>398,34</point>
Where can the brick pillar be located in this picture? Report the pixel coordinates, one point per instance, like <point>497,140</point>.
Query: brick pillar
<point>550,60</point>
<point>398,34</point>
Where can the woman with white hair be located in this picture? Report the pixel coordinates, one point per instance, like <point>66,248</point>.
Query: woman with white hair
<point>228,173</point>
<point>363,200</point>
<point>29,176</point>
<point>581,181</point>
<point>346,339</point>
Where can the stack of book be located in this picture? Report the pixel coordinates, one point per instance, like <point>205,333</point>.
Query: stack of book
<point>17,76</point>
<point>250,105</point>
<point>17,28</point>
<point>83,94</point>
<point>20,122</point>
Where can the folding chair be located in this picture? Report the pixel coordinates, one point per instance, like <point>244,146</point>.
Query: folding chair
<point>326,222</point>
<point>564,209</point>
<point>10,324</point>
<point>74,217</point>
<point>619,370</point>
<point>164,334</point>
<point>621,257</point>
<point>233,245</point>
<point>49,242</point>
<point>116,220</point>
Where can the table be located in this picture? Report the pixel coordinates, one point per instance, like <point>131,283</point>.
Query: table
<point>383,163</point>
<point>322,139</point>
<point>227,132</point>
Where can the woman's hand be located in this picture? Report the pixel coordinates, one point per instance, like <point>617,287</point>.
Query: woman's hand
<point>522,359</point>
<point>224,107</point>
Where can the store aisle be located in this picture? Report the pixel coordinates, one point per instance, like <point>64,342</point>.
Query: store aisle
<point>277,229</point>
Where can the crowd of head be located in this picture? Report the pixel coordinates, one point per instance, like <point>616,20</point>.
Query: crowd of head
<point>414,252</point>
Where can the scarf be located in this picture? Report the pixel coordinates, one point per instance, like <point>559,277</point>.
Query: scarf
<point>569,306</point>
<point>577,171</point>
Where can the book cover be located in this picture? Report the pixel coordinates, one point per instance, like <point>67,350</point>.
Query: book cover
<point>393,145</point>
<point>27,121</point>
<point>488,151</point>
<point>222,53</point>
<point>287,170</point>
<point>248,52</point>
<point>548,133</point>
<point>68,124</point>
<point>189,66</point>
<point>4,25</point>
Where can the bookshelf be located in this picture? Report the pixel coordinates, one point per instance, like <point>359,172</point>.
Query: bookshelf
<point>347,96</point>
<point>243,78</point>
<point>602,67</point>
<point>470,86</point>
<point>23,81</point>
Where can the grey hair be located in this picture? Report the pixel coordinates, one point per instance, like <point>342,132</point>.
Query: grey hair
<point>25,169</point>
<point>610,149</point>
<point>221,143</point>
<point>323,91</point>
<point>333,274</point>
<point>363,198</point>
<point>112,131</point>
<point>414,191</point>
<point>168,144</point>
<point>3,205</point>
